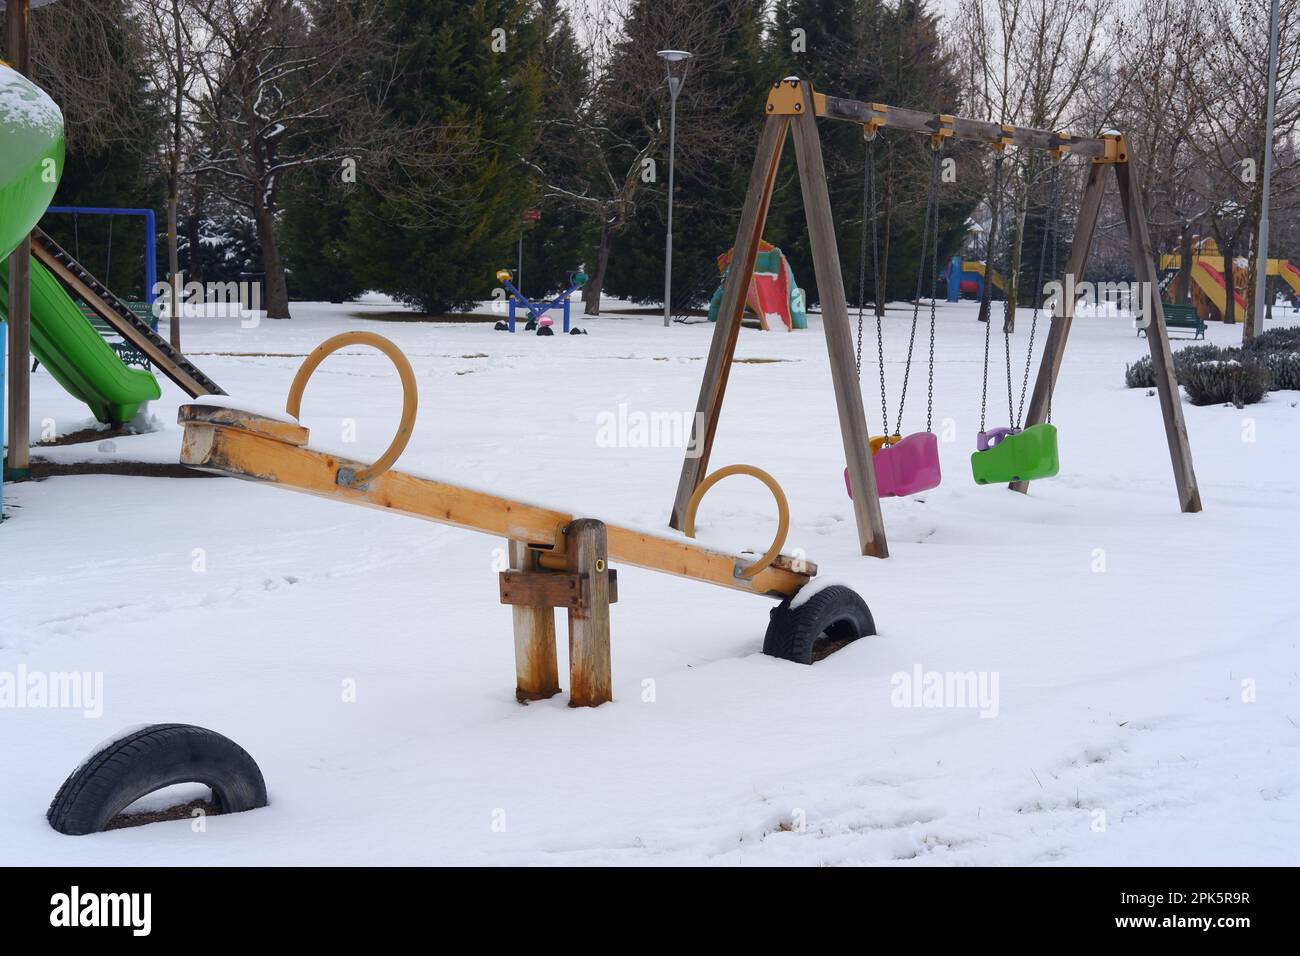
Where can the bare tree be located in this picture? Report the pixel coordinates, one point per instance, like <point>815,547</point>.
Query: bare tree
<point>77,59</point>
<point>1032,62</point>
<point>614,117</point>
<point>1229,95</point>
<point>175,46</point>
<point>280,87</point>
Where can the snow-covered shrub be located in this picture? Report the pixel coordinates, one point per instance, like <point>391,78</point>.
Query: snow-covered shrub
<point>1141,374</point>
<point>1238,380</point>
<point>1285,339</point>
<point>1283,367</point>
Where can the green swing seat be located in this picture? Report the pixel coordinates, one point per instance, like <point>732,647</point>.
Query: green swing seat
<point>1017,456</point>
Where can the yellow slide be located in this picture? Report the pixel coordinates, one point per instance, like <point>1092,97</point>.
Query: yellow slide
<point>1289,273</point>
<point>1207,277</point>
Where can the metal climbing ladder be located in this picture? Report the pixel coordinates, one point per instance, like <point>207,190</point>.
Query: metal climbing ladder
<point>135,330</point>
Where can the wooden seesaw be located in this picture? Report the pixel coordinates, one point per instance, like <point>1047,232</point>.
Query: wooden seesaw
<point>556,559</point>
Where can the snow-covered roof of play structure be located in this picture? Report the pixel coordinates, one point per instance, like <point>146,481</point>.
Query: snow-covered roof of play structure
<point>22,103</point>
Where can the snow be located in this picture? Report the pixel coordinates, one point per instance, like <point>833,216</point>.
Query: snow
<point>22,103</point>
<point>1145,660</point>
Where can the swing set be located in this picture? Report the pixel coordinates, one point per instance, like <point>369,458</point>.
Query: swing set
<point>892,464</point>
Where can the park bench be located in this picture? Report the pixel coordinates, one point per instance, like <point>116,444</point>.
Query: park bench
<point>1179,317</point>
<point>128,353</point>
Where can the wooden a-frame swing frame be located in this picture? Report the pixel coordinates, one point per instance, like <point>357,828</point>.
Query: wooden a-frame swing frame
<point>793,105</point>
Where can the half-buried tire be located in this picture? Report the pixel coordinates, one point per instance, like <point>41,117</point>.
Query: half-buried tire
<point>824,623</point>
<point>150,759</point>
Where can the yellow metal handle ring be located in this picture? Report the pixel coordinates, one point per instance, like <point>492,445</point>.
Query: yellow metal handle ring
<point>782,510</point>
<point>409,393</point>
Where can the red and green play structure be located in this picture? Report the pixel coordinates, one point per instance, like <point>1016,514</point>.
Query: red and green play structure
<point>65,343</point>
<point>773,294</point>
<point>53,322</point>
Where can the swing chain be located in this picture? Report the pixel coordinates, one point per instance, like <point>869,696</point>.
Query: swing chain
<point>934,296</point>
<point>875,272</point>
<point>1049,238</point>
<point>870,210</point>
<point>995,206</point>
<point>1056,225</point>
<point>930,210</point>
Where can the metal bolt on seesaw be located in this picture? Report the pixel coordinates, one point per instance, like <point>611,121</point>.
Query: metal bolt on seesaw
<point>557,559</point>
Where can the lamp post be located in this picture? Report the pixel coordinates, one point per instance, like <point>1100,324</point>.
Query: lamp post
<point>1261,263</point>
<point>676,80</point>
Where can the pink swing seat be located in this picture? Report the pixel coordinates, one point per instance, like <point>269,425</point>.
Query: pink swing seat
<point>906,467</point>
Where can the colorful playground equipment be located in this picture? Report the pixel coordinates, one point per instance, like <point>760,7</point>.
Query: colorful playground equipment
<point>150,240</point>
<point>61,336</point>
<point>772,293</point>
<point>538,320</point>
<point>965,277</point>
<point>557,559</point>
<point>903,466</point>
<point>1016,455</point>
<point>1208,284</point>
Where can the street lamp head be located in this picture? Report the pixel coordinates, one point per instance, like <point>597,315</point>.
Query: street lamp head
<point>674,56</point>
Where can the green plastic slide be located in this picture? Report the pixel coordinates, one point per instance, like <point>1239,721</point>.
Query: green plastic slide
<point>31,162</point>
<point>74,352</point>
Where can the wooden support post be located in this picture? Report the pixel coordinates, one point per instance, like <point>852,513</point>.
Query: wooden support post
<point>17,462</point>
<point>537,675</point>
<point>726,329</point>
<point>1049,368</point>
<point>590,679</point>
<point>839,340</point>
<point>1162,360</point>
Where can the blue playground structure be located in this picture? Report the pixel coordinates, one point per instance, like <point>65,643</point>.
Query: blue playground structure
<point>537,310</point>
<point>150,239</point>
<point>966,278</point>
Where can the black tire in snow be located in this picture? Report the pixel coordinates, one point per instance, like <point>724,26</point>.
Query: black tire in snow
<point>836,614</point>
<point>147,760</point>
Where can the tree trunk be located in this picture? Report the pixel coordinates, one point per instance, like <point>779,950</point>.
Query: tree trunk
<point>275,288</point>
<point>174,183</point>
<point>591,294</point>
<point>1248,320</point>
<point>1183,284</point>
<point>888,230</point>
<point>173,269</point>
<point>1012,281</point>
<point>1229,289</point>
<point>194,238</point>
<point>884,253</point>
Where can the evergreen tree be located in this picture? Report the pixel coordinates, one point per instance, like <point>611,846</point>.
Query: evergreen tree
<point>871,51</point>
<point>316,238</point>
<point>448,73</point>
<point>565,237</point>
<point>709,183</point>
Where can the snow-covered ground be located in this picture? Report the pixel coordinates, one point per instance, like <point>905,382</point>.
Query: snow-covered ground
<point>1147,705</point>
